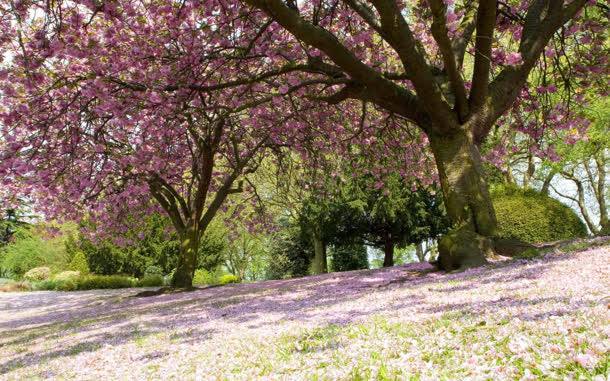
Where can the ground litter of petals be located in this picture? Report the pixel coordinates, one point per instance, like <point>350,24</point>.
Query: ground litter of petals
<point>546,318</point>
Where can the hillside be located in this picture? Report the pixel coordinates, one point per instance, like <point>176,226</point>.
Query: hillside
<point>511,319</point>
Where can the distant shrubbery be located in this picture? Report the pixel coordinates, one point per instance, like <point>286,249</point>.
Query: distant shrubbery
<point>151,281</point>
<point>226,279</point>
<point>203,276</point>
<point>533,217</point>
<point>79,263</point>
<point>37,274</point>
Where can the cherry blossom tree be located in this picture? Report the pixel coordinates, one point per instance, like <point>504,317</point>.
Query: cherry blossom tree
<point>111,111</point>
<point>451,68</point>
<point>107,104</point>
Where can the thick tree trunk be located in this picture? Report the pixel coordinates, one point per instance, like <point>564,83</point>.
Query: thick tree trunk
<point>388,249</point>
<point>187,263</point>
<point>467,201</point>
<point>318,265</point>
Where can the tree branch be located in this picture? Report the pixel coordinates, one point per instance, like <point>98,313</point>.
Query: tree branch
<point>486,20</point>
<point>439,32</point>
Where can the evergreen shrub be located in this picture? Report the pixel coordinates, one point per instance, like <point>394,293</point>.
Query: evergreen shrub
<point>533,217</point>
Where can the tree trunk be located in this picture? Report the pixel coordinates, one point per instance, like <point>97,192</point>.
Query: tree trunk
<point>187,263</point>
<point>467,202</point>
<point>318,265</point>
<point>419,251</point>
<point>388,249</point>
<point>547,183</point>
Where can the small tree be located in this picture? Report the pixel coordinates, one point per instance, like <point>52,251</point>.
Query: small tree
<point>79,263</point>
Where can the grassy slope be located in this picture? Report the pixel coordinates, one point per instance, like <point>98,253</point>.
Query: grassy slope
<point>547,318</point>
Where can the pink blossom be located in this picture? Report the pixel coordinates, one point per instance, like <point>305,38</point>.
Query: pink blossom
<point>514,59</point>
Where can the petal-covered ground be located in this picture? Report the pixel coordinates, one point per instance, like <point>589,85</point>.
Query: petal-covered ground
<point>546,318</point>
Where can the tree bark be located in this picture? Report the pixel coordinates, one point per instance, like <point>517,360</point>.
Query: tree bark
<point>419,251</point>
<point>318,265</point>
<point>467,201</point>
<point>388,250</point>
<point>187,262</point>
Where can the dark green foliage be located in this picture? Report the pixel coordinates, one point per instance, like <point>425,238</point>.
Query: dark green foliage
<point>212,249</point>
<point>291,253</point>
<point>154,248</point>
<point>10,222</point>
<point>349,257</point>
<point>533,217</point>
<point>393,212</point>
<point>155,280</point>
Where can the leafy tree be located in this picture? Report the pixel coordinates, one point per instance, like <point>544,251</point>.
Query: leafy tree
<point>79,263</point>
<point>103,111</point>
<point>32,247</point>
<point>349,257</point>
<point>290,254</point>
<point>395,216</point>
<point>450,69</point>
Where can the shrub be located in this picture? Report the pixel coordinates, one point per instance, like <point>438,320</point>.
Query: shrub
<point>349,257</point>
<point>37,274</point>
<point>151,281</point>
<point>225,279</point>
<point>29,252</point>
<point>203,276</point>
<point>67,275</point>
<point>533,217</point>
<point>46,285</point>
<point>152,270</point>
<point>93,282</point>
<point>79,263</point>
<point>66,284</point>
<point>16,287</point>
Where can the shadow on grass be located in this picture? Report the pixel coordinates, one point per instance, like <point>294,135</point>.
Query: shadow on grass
<point>44,316</point>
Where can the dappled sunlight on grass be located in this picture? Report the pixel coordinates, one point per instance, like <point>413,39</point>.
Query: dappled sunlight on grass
<point>511,319</point>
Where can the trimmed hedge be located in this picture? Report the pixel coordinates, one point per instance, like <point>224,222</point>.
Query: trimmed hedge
<point>533,217</point>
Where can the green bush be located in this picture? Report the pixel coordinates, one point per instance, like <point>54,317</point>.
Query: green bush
<point>94,282</point>
<point>203,276</point>
<point>67,275</point>
<point>533,217</point>
<point>37,274</point>
<point>29,252</point>
<point>153,270</point>
<point>58,285</point>
<point>79,263</point>
<point>151,281</point>
<point>225,279</point>
<point>349,257</point>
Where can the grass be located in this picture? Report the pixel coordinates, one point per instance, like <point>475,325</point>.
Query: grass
<point>544,318</point>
